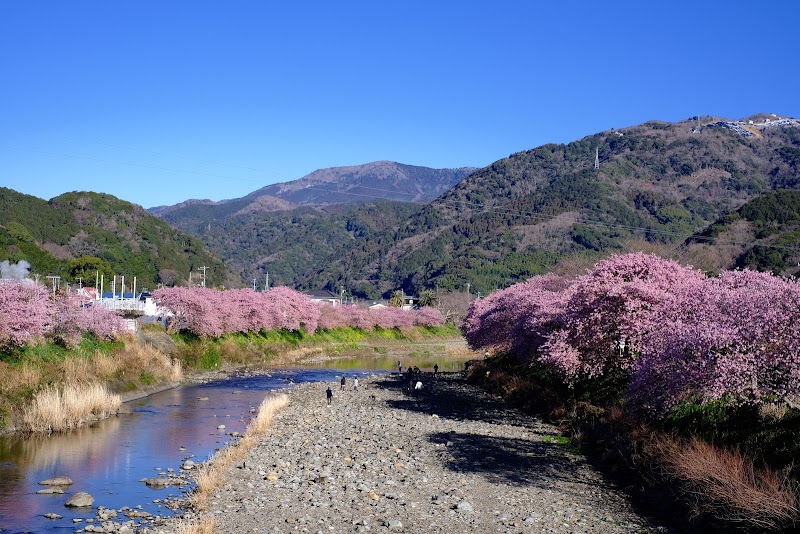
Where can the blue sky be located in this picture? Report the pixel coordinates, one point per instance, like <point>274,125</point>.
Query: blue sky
<point>159,102</point>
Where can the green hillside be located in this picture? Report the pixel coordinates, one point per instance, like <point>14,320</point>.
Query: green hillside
<point>541,210</point>
<point>549,208</point>
<point>764,235</point>
<point>76,234</point>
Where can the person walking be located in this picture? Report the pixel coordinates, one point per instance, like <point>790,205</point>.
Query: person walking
<point>342,382</point>
<point>435,368</point>
<point>329,394</point>
<point>355,383</point>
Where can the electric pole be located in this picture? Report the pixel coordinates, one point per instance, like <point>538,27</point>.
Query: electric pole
<point>254,284</point>
<point>266,283</point>
<point>597,157</point>
<point>203,268</point>
<point>55,280</point>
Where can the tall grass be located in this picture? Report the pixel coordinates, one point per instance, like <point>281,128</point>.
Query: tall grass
<point>205,525</point>
<point>726,484</point>
<point>56,410</point>
<point>211,475</point>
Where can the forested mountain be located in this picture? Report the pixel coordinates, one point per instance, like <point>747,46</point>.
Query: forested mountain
<point>550,209</point>
<point>764,235</point>
<point>76,234</point>
<point>384,180</point>
<point>540,210</point>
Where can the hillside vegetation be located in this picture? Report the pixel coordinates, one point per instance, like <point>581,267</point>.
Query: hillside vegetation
<point>78,234</point>
<point>549,209</point>
<point>545,209</point>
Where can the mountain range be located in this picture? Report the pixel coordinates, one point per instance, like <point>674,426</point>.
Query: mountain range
<point>709,191</point>
<point>555,207</point>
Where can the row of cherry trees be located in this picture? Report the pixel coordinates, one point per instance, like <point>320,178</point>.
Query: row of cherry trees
<point>670,332</point>
<point>211,312</point>
<point>30,313</point>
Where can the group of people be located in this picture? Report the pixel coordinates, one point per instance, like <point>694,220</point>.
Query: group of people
<point>342,383</point>
<point>414,383</point>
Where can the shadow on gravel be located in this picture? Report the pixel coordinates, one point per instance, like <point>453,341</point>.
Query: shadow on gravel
<point>501,459</point>
<point>450,396</point>
<point>507,460</point>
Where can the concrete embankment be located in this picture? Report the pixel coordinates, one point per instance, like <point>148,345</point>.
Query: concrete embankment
<point>448,459</point>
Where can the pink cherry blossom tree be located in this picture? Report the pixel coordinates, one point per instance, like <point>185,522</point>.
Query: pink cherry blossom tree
<point>25,312</point>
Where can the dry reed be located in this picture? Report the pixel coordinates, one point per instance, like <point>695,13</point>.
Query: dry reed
<point>55,410</point>
<point>206,525</point>
<point>727,485</point>
<point>211,475</point>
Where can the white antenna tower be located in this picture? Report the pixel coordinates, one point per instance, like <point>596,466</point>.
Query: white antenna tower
<point>597,157</point>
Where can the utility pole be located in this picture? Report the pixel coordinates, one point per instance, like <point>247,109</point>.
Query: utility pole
<point>254,284</point>
<point>203,268</point>
<point>266,283</point>
<point>80,282</point>
<point>468,287</point>
<point>55,280</point>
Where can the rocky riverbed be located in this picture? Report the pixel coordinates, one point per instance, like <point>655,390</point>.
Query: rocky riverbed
<point>447,459</point>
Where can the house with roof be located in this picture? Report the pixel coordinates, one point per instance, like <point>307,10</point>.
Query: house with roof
<point>324,296</point>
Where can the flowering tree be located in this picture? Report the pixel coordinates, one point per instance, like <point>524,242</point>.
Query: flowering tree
<point>734,337</point>
<point>608,310</point>
<point>673,332</point>
<point>70,320</point>
<point>25,311</point>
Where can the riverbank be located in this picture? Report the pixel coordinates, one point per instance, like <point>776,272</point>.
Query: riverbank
<point>448,459</point>
<point>153,361</point>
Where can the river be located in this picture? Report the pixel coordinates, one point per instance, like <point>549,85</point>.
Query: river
<point>109,458</point>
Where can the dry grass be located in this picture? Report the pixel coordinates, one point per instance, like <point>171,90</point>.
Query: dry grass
<point>727,485</point>
<point>211,475</point>
<point>56,410</point>
<point>206,525</point>
<point>18,378</point>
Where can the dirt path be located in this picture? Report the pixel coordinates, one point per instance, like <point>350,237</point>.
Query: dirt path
<point>448,459</point>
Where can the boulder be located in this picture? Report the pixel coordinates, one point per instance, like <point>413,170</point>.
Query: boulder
<point>57,481</point>
<point>80,500</point>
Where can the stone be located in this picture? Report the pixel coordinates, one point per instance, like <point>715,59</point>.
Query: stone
<point>51,515</point>
<point>51,491</point>
<point>464,506</point>
<point>57,481</point>
<point>80,500</point>
<point>394,524</point>
<point>104,514</point>
<point>187,465</point>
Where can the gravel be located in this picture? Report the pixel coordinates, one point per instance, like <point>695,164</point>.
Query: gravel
<point>447,459</point>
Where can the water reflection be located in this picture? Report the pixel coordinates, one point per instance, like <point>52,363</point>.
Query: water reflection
<point>110,458</point>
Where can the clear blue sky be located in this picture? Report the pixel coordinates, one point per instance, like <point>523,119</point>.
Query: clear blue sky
<point>159,102</point>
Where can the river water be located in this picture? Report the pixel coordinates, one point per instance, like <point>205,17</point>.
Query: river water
<point>109,459</point>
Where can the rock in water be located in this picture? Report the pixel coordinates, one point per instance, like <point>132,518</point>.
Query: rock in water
<point>80,500</point>
<point>57,481</point>
<point>50,491</point>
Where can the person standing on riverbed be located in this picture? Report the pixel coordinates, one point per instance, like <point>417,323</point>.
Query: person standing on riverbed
<point>342,382</point>
<point>435,368</point>
<point>329,394</point>
<point>355,383</point>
